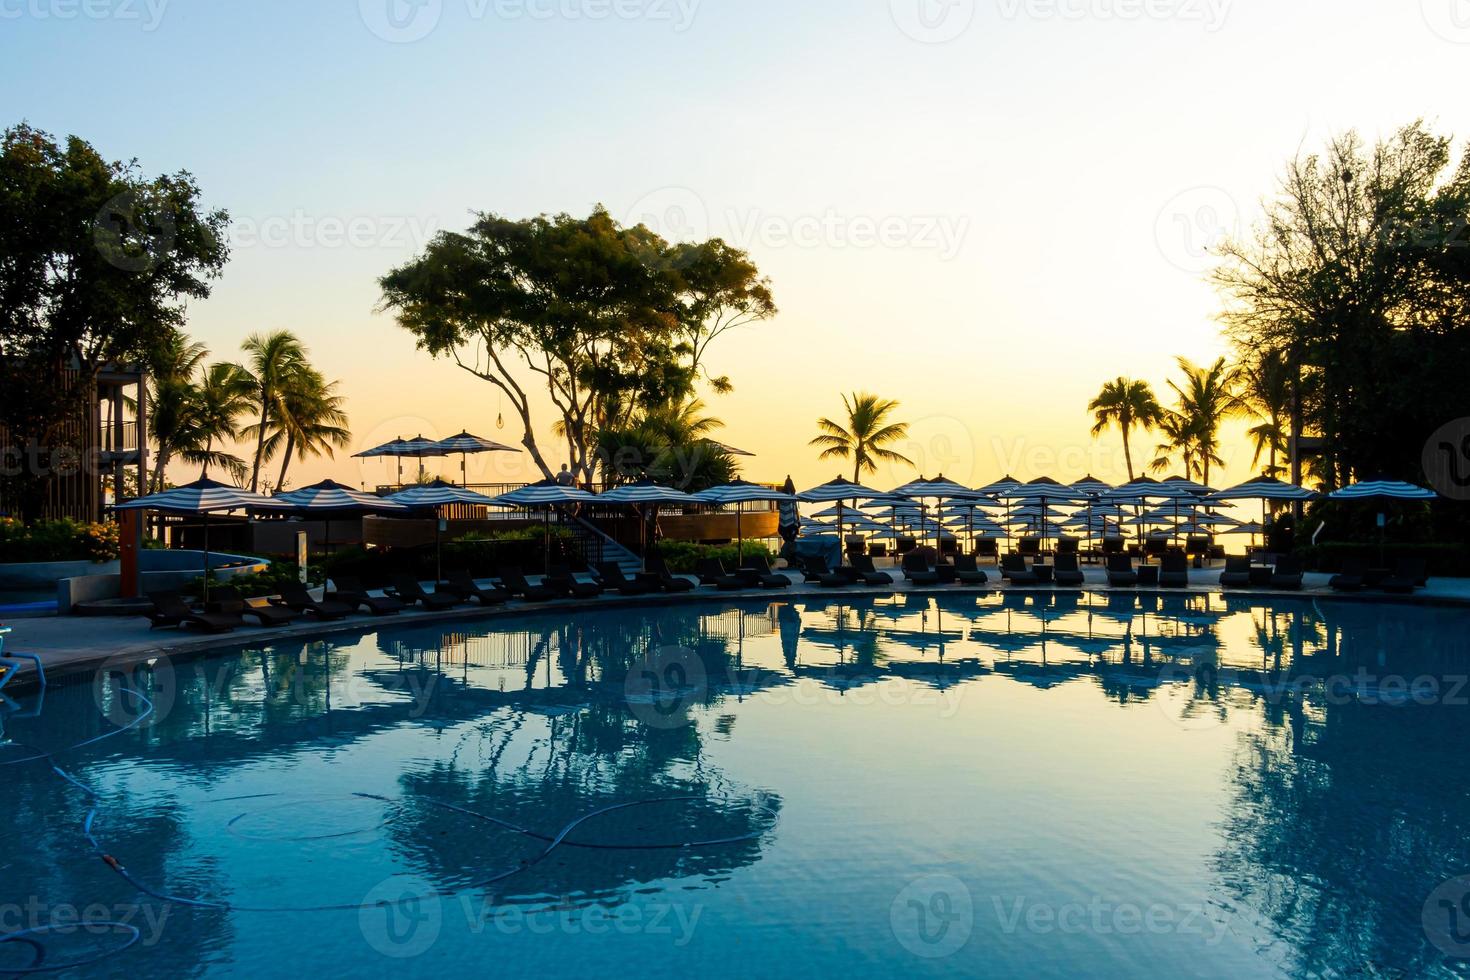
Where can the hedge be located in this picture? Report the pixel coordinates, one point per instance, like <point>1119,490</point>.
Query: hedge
<point>63,540</point>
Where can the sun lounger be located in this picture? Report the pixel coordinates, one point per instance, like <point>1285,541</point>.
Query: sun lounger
<point>560,578</point>
<point>864,568</point>
<point>1288,575</point>
<point>761,568</point>
<point>816,570</point>
<point>1352,577</point>
<point>666,579</point>
<point>171,611</point>
<point>462,585</point>
<point>1237,574</point>
<point>1029,547</point>
<point>296,597</point>
<point>989,549</point>
<point>229,602</point>
<point>1068,572</point>
<point>713,575</point>
<point>1121,574</point>
<point>1013,569</point>
<point>1174,571</point>
<point>1405,578</point>
<point>967,571</point>
<point>407,589</point>
<point>351,592</point>
<point>917,571</point>
<point>610,574</point>
<point>514,582</point>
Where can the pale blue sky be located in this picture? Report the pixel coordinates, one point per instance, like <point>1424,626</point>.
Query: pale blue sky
<point>984,228</point>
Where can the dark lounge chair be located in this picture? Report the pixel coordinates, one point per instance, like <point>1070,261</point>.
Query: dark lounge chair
<point>816,570</point>
<point>170,611</point>
<point>1068,546</point>
<point>462,585</point>
<point>1352,578</point>
<point>1237,574</point>
<point>610,574</point>
<point>1174,571</point>
<point>408,590</point>
<point>917,571</point>
<point>967,571</point>
<point>514,582</point>
<point>863,566</point>
<point>559,578</point>
<point>667,580</point>
<point>1407,577</point>
<point>296,597</point>
<point>988,548</point>
<point>761,568</point>
<point>1068,571</point>
<point>1121,574</point>
<point>1029,547</point>
<point>1288,575</point>
<point>1014,570</point>
<point>905,544</point>
<point>712,574</point>
<point>351,592</point>
<point>229,602</point>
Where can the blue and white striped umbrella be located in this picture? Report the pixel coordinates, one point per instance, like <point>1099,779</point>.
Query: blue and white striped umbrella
<point>1262,488</point>
<point>1092,486</point>
<point>547,493</point>
<point>464,445</point>
<point>742,492</point>
<point>1384,490</point>
<point>646,492</point>
<point>941,488</point>
<point>330,497</point>
<point>997,488</point>
<point>203,497</point>
<point>440,494</point>
<point>838,489</point>
<point>1147,488</point>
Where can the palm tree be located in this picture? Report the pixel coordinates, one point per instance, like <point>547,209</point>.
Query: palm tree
<point>1206,399</point>
<point>311,419</point>
<point>272,359</point>
<point>1127,404</point>
<point>172,366</point>
<point>1178,437</point>
<point>1267,396</point>
<point>222,395</point>
<point>865,436</point>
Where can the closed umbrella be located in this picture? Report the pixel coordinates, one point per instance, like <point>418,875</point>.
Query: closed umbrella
<point>790,511</point>
<point>202,498</point>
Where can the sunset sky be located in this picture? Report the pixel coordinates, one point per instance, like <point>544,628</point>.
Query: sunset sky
<point>983,210</point>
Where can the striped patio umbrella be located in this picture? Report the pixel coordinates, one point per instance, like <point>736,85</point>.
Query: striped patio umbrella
<point>646,496</point>
<point>1266,489</point>
<point>739,493</point>
<point>939,489</point>
<point>329,499</point>
<point>1044,493</point>
<point>838,492</point>
<point>419,449</point>
<point>464,445</point>
<point>995,489</point>
<point>432,497</point>
<point>1382,490</point>
<point>544,496</point>
<point>202,498</point>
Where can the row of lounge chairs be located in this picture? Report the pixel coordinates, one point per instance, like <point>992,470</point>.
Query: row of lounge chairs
<point>1357,576</point>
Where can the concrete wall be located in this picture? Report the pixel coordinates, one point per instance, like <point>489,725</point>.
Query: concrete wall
<point>174,571</point>
<point>40,574</point>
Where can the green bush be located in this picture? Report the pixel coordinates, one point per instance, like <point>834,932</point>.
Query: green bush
<point>63,540</point>
<point>683,557</point>
<point>259,584</point>
<point>1441,559</point>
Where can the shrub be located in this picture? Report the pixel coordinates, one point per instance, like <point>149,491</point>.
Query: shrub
<point>62,540</point>
<point>683,557</point>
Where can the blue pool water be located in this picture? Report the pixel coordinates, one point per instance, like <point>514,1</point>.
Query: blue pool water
<point>1007,786</point>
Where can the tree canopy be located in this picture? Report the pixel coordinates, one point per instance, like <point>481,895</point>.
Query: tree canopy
<point>613,321</point>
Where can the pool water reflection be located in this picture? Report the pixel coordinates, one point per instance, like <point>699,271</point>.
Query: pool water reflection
<point>961,785</point>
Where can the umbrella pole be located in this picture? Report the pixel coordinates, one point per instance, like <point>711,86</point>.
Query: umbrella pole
<point>739,537</point>
<point>206,556</point>
<point>546,565</point>
<point>438,552</point>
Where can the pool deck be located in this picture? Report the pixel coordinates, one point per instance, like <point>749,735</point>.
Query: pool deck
<point>71,645</point>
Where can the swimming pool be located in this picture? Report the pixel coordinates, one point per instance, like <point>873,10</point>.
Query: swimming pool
<point>961,785</point>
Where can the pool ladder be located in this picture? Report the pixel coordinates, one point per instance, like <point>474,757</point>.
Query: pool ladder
<point>11,664</point>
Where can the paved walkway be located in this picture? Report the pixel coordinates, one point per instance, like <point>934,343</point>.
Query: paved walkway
<point>73,644</point>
